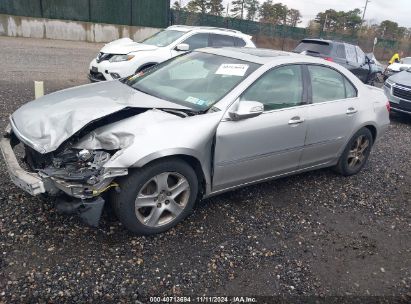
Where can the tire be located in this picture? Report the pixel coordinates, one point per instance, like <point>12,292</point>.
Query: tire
<point>356,153</point>
<point>150,201</point>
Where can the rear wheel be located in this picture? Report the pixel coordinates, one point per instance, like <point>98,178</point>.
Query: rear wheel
<point>356,153</point>
<point>156,197</point>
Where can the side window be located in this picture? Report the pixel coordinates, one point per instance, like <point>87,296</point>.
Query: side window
<point>276,89</point>
<point>328,84</point>
<point>221,40</point>
<point>239,42</point>
<point>350,90</point>
<point>351,54</point>
<point>360,55</point>
<point>340,51</point>
<point>197,41</point>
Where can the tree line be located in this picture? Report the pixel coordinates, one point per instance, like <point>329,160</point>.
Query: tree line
<point>341,22</point>
<point>276,13</point>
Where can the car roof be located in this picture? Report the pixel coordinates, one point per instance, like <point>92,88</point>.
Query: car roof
<point>325,41</point>
<point>189,28</point>
<point>258,55</point>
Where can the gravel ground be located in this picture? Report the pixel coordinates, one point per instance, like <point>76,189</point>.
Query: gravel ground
<point>316,234</point>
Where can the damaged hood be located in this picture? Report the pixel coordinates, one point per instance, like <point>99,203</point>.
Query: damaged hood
<point>402,78</point>
<point>45,123</point>
<point>125,46</point>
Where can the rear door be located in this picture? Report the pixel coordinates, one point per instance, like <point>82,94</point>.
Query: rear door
<point>331,116</point>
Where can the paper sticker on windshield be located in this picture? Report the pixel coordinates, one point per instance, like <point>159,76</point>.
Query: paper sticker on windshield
<point>232,69</point>
<point>196,100</point>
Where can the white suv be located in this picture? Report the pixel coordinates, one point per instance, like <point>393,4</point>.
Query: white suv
<point>124,57</point>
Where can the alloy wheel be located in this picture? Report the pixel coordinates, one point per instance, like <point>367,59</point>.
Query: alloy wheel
<point>358,152</point>
<point>162,199</point>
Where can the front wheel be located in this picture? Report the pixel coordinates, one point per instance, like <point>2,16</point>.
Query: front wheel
<point>156,197</point>
<point>356,153</point>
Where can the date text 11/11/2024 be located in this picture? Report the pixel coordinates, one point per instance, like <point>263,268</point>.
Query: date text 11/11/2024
<point>202,299</point>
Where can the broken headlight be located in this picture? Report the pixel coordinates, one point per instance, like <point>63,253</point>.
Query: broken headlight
<point>82,166</point>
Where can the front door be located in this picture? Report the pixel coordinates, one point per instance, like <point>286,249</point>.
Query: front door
<point>267,145</point>
<point>196,41</point>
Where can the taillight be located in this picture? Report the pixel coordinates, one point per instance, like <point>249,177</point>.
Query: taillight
<point>388,106</point>
<point>329,59</point>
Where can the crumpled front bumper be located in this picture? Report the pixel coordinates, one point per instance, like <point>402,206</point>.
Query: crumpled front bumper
<point>37,183</point>
<point>29,182</point>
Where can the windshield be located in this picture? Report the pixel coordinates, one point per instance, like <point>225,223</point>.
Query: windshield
<point>406,60</point>
<point>195,80</point>
<point>163,38</point>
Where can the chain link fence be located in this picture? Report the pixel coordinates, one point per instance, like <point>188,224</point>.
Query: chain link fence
<point>286,37</point>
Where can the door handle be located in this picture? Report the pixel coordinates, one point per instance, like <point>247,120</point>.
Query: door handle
<point>295,120</point>
<point>351,110</point>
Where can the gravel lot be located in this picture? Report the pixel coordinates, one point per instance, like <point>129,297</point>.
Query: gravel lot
<point>315,234</point>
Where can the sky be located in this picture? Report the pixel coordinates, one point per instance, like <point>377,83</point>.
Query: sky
<point>377,10</point>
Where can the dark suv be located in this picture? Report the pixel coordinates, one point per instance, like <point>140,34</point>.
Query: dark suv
<point>348,55</point>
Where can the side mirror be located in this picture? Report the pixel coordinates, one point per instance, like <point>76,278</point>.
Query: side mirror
<point>247,109</point>
<point>183,47</point>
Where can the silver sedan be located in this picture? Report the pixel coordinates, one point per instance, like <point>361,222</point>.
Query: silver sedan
<point>194,126</point>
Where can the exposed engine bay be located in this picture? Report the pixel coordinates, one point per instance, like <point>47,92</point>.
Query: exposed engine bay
<point>78,173</point>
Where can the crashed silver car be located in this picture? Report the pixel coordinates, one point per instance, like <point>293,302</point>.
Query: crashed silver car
<point>194,126</point>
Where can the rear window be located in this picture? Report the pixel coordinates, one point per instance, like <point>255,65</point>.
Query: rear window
<point>313,47</point>
<point>340,51</point>
<point>221,40</point>
<point>351,53</point>
<point>239,42</point>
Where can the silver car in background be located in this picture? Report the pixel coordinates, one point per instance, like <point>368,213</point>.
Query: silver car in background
<point>398,90</point>
<point>194,126</point>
